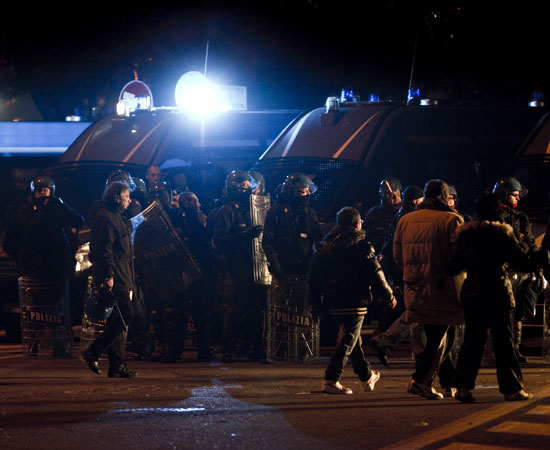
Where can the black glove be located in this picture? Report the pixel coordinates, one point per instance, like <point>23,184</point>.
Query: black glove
<point>253,232</point>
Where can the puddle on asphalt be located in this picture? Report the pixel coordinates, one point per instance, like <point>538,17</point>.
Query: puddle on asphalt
<point>157,410</point>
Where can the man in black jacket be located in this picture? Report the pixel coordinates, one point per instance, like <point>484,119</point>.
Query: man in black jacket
<point>112,254</point>
<point>342,271</point>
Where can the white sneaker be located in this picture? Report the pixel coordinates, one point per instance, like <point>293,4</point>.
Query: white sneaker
<point>335,387</point>
<point>368,385</point>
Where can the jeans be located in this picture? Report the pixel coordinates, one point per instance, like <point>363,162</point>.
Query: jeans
<point>348,345</point>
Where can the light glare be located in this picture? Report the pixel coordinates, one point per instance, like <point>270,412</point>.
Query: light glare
<point>194,93</point>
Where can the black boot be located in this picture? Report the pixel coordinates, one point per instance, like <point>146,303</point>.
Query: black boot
<point>121,371</point>
<point>91,360</point>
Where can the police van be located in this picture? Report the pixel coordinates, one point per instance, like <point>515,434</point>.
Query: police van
<point>204,149</point>
<point>530,166</point>
<point>350,146</point>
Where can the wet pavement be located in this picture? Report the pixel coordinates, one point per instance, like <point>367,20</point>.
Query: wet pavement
<point>48,403</point>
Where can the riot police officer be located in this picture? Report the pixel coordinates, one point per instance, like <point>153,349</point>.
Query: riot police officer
<point>38,239</point>
<point>378,219</point>
<point>453,203</point>
<point>291,229</point>
<point>191,226</point>
<point>377,223</point>
<point>232,238</point>
<point>168,316</point>
<point>510,191</point>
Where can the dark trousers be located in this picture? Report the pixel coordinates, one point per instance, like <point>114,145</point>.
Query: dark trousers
<point>138,331</point>
<point>244,316</point>
<point>348,345</point>
<point>471,352</point>
<point>112,338</point>
<point>439,342</point>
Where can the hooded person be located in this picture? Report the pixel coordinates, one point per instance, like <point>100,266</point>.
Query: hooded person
<point>343,270</point>
<point>485,247</point>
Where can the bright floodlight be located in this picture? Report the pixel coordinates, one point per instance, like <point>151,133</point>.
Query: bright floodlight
<point>194,93</point>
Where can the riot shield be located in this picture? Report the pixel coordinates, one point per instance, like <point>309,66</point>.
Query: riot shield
<point>165,261</point>
<point>259,205</point>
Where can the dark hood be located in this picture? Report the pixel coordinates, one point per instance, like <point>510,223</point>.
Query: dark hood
<point>339,239</point>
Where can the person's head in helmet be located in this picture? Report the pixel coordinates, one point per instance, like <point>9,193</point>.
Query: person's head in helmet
<point>260,181</point>
<point>239,185</point>
<point>153,174</point>
<point>298,185</point>
<point>390,192</point>
<point>509,191</point>
<point>297,189</point>
<point>140,192</point>
<point>453,196</point>
<point>42,186</point>
<point>159,191</point>
<point>121,176</point>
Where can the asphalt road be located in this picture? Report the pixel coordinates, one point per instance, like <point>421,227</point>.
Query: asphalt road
<point>59,404</point>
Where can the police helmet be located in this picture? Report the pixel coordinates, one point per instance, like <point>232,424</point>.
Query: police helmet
<point>506,185</point>
<point>260,181</point>
<point>42,181</point>
<point>141,187</point>
<point>178,190</point>
<point>235,178</point>
<point>122,176</point>
<point>296,181</point>
<point>159,191</point>
<point>453,192</point>
<point>389,185</point>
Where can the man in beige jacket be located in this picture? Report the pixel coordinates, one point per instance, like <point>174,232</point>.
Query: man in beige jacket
<point>423,245</point>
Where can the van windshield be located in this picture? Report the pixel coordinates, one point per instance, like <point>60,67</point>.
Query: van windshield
<point>330,176</point>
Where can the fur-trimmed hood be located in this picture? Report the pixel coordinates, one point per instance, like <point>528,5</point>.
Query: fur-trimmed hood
<point>497,227</point>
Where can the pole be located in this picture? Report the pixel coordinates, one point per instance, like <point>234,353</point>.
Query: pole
<point>414,59</point>
<point>206,56</point>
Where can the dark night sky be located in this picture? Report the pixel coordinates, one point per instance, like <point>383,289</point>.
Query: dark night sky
<point>290,54</point>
